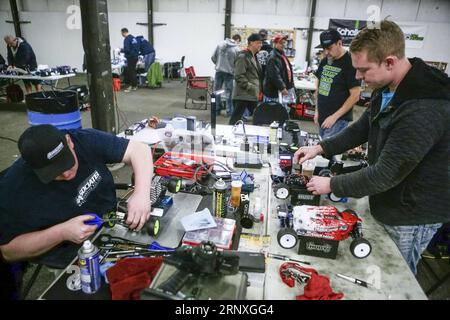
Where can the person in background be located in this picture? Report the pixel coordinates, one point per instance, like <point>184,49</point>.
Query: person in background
<point>264,53</point>
<point>21,55</point>
<point>224,57</point>
<point>407,129</point>
<point>131,50</point>
<point>146,49</point>
<point>338,89</point>
<point>279,75</point>
<point>248,79</point>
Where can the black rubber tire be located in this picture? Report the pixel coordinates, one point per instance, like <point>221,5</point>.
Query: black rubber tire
<point>325,173</point>
<point>174,185</point>
<point>360,248</point>
<point>152,227</point>
<point>287,238</point>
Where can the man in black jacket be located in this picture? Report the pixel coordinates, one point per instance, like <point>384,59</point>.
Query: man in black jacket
<point>131,50</point>
<point>21,55</point>
<point>408,133</point>
<point>279,76</point>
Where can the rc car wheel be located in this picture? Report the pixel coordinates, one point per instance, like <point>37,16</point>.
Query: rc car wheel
<point>152,227</point>
<point>325,173</point>
<point>109,216</point>
<point>281,191</point>
<point>174,185</point>
<point>334,198</point>
<point>360,248</point>
<point>287,238</point>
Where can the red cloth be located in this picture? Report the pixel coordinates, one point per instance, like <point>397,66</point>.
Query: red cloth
<point>132,275</point>
<point>318,288</point>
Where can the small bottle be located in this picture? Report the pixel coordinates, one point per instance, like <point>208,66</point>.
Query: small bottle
<point>220,204</point>
<point>273,132</point>
<point>236,186</point>
<point>89,263</point>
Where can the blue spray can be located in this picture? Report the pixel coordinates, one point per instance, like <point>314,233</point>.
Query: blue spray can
<point>89,263</point>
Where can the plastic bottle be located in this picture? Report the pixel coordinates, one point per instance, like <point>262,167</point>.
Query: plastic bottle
<point>236,187</point>
<point>273,132</point>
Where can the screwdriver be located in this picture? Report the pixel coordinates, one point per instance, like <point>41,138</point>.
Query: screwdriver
<point>354,280</point>
<point>285,258</point>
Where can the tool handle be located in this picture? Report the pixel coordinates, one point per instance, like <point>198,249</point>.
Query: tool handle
<point>96,221</point>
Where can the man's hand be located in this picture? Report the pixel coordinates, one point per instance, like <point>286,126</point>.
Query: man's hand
<point>306,153</point>
<point>74,230</point>
<point>139,208</point>
<point>319,185</point>
<point>284,92</point>
<point>329,122</point>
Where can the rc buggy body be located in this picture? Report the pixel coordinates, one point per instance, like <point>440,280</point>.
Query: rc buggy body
<point>322,222</point>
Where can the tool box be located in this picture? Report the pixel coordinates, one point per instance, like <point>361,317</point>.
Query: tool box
<point>183,165</point>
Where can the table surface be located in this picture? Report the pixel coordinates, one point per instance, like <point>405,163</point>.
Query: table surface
<point>304,84</point>
<point>385,268</point>
<point>33,77</point>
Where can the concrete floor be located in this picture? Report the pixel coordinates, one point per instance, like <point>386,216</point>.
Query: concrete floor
<point>162,102</point>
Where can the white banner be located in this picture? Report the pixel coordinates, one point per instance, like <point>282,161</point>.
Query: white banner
<point>414,35</point>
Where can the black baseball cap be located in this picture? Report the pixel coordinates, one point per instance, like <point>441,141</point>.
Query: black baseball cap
<point>44,148</point>
<point>263,33</point>
<point>254,37</point>
<point>328,37</point>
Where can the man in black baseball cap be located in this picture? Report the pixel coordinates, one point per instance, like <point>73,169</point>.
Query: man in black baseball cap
<point>329,37</point>
<point>46,150</point>
<point>337,87</point>
<point>50,193</point>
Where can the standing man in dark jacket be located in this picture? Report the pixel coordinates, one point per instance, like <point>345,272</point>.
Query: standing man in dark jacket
<point>247,77</point>
<point>408,133</point>
<point>279,76</point>
<point>264,53</point>
<point>21,55</point>
<point>146,49</point>
<point>131,50</point>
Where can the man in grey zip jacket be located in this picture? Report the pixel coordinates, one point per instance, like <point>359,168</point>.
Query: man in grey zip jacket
<point>223,57</point>
<point>407,126</point>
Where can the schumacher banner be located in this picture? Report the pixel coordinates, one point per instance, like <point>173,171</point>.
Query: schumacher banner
<point>347,28</point>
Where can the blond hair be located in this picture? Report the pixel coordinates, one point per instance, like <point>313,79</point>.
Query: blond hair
<point>380,42</point>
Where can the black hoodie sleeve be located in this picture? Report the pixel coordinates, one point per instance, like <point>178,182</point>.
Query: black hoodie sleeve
<point>354,135</point>
<point>416,131</point>
<point>273,73</point>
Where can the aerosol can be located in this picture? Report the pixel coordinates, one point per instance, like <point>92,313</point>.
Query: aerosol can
<point>89,263</point>
<point>220,203</point>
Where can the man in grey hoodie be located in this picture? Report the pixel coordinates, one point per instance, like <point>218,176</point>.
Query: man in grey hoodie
<point>223,57</point>
<point>407,129</point>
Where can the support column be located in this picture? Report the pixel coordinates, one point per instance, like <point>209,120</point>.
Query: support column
<point>97,50</point>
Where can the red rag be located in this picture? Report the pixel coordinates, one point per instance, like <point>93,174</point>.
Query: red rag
<point>318,288</point>
<point>130,276</point>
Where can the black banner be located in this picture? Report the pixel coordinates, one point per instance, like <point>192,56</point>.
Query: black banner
<point>347,28</point>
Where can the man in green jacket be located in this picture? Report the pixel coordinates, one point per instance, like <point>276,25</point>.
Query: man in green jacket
<point>248,79</point>
<point>407,129</point>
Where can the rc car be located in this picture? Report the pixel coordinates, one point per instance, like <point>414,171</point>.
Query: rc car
<point>322,222</point>
<point>293,185</point>
<point>160,203</point>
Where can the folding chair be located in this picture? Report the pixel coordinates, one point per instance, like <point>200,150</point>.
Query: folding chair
<point>197,89</point>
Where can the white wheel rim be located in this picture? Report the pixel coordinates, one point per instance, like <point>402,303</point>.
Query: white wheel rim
<point>282,193</point>
<point>288,241</point>
<point>334,198</point>
<point>362,250</point>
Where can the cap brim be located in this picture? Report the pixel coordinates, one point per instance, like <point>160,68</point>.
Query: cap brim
<point>63,162</point>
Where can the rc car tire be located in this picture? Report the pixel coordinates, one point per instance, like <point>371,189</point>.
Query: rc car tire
<point>360,248</point>
<point>287,238</point>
